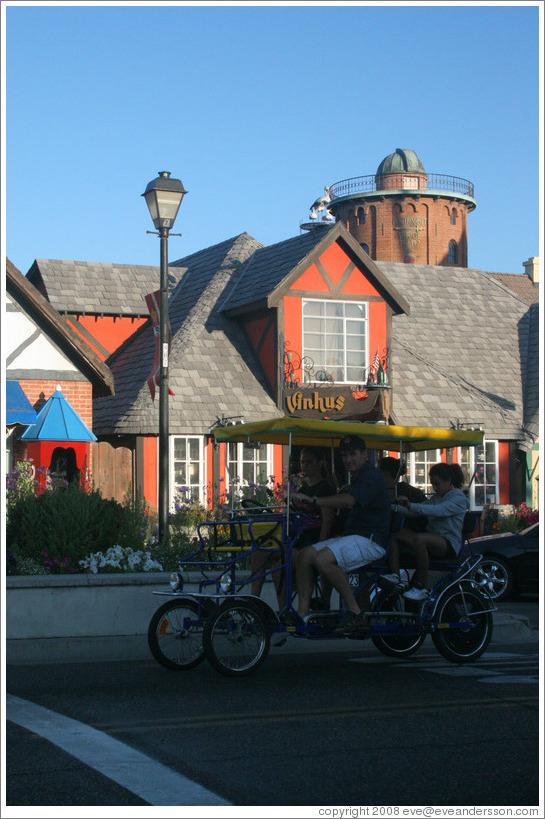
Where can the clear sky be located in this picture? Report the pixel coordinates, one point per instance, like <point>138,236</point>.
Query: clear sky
<point>255,108</point>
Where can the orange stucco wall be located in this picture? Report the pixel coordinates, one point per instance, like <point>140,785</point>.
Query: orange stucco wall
<point>109,331</point>
<point>150,488</point>
<point>40,452</point>
<point>503,466</point>
<point>262,334</point>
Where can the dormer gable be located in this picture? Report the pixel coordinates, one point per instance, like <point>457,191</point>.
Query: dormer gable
<point>337,266</point>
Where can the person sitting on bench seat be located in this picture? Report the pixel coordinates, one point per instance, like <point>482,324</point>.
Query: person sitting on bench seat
<point>445,511</point>
<point>365,533</point>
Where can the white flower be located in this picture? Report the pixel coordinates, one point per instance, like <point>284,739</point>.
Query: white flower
<point>123,559</point>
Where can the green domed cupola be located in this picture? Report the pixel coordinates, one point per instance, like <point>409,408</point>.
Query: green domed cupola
<point>403,160</point>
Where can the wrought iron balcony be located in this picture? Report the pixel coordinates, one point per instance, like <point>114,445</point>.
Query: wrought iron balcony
<point>428,182</point>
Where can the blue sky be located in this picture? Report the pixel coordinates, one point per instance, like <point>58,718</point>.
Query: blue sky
<point>256,108</point>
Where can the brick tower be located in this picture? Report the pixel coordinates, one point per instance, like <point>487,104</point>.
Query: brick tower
<point>404,214</point>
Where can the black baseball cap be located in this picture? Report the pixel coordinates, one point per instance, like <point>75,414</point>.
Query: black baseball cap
<point>350,442</point>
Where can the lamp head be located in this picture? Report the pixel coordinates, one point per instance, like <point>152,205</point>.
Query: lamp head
<point>164,197</point>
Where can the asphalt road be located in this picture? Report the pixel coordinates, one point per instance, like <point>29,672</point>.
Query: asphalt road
<point>346,727</point>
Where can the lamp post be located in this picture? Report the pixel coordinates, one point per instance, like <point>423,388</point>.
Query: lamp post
<point>163,197</point>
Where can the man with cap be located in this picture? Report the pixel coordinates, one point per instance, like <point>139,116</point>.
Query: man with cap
<point>366,503</point>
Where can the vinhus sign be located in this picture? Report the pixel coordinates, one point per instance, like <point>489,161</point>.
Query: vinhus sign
<point>336,403</point>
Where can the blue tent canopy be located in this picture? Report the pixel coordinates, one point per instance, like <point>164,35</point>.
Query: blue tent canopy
<point>19,410</point>
<point>58,421</point>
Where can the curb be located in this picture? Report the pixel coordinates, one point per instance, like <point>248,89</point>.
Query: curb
<point>508,628</point>
<point>512,628</point>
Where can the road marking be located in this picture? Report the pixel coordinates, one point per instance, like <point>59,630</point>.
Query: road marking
<point>154,783</point>
<point>492,668</point>
<point>371,711</point>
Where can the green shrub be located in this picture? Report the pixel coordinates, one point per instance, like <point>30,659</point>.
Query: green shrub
<point>59,528</point>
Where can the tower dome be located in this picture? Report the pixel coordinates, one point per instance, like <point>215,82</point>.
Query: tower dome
<point>403,213</point>
<point>404,159</point>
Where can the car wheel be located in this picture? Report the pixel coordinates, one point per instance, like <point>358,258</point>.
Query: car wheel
<point>495,576</point>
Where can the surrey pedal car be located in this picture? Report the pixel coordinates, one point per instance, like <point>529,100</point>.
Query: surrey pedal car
<point>222,621</point>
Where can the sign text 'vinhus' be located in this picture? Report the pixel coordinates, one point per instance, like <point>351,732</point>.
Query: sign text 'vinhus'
<point>303,401</point>
<point>368,402</point>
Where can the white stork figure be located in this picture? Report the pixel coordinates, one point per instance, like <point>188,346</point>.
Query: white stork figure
<point>320,204</point>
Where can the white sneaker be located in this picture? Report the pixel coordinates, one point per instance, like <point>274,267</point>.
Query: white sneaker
<point>278,638</point>
<point>416,594</point>
<point>393,580</point>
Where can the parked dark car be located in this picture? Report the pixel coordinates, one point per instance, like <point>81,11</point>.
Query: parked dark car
<point>510,562</point>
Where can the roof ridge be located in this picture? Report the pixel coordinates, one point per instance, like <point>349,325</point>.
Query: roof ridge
<point>246,268</point>
<point>491,277</point>
<point>216,282</point>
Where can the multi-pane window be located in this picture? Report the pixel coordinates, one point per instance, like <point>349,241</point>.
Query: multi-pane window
<point>419,468</point>
<point>480,465</point>
<point>335,339</point>
<point>187,459</point>
<point>452,252</point>
<point>248,465</point>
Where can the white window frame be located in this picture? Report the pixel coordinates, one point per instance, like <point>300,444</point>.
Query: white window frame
<point>242,457</point>
<point>311,353</point>
<point>427,458</point>
<point>9,449</point>
<point>200,494</point>
<point>469,467</point>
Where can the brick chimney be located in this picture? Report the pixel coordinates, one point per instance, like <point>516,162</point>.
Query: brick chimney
<point>531,268</point>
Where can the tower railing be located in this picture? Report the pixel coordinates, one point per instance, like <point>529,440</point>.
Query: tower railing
<point>428,181</point>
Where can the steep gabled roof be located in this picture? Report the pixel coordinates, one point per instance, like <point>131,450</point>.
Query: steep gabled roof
<point>458,355</point>
<point>212,373</point>
<point>56,327</point>
<point>96,287</point>
<point>271,270</point>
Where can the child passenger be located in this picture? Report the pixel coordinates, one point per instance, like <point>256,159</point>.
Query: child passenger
<point>445,511</point>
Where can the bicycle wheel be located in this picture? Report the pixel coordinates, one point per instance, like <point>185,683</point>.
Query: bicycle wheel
<point>465,643</point>
<point>175,635</point>
<point>397,645</point>
<point>236,638</point>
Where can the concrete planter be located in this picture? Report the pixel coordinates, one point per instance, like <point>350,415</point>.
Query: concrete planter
<point>62,618</point>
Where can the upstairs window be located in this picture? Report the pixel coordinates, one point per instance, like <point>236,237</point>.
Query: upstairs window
<point>452,252</point>
<point>335,339</point>
<point>361,216</point>
<point>453,216</point>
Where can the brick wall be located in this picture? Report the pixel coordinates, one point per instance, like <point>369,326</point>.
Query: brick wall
<point>79,395</point>
<point>405,228</point>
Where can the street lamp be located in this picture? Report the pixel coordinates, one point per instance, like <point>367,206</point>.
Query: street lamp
<point>164,197</point>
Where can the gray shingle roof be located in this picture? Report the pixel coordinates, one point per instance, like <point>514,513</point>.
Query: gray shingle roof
<point>467,353</point>
<point>96,287</point>
<point>457,357</point>
<point>212,372</point>
<point>268,267</point>
<point>520,284</point>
